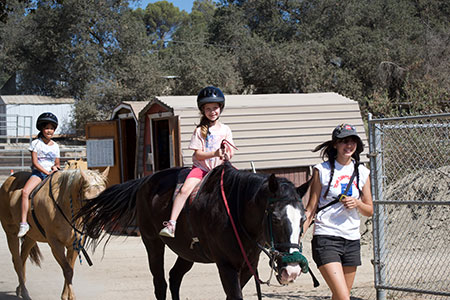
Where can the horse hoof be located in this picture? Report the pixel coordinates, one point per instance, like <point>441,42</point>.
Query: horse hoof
<point>22,293</point>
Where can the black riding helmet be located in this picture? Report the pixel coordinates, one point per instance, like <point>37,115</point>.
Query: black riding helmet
<point>45,118</point>
<point>210,94</point>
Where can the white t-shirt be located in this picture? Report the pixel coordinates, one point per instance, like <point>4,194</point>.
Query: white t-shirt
<point>46,155</point>
<point>336,220</point>
<point>214,139</point>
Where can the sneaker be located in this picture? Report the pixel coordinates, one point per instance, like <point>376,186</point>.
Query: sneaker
<point>23,229</point>
<point>169,229</point>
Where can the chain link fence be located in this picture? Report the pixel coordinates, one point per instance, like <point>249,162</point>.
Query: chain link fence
<point>410,164</point>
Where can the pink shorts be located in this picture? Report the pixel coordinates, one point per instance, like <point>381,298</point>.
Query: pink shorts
<point>197,173</point>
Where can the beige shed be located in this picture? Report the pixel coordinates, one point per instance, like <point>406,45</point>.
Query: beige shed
<point>274,131</point>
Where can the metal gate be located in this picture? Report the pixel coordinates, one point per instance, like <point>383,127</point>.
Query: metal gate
<point>410,163</point>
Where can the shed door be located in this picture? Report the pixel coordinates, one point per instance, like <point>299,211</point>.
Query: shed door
<point>127,131</point>
<point>165,142</point>
<point>107,130</point>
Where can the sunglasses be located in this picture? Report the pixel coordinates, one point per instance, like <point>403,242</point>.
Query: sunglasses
<point>347,140</point>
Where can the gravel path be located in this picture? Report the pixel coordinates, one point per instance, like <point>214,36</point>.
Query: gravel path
<point>121,272</point>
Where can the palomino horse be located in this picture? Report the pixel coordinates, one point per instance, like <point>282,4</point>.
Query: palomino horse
<point>53,209</point>
<point>263,210</point>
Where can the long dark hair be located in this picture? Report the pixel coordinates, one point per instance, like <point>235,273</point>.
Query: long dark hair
<point>328,152</point>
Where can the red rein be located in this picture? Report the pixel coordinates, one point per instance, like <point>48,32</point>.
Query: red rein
<point>244,254</point>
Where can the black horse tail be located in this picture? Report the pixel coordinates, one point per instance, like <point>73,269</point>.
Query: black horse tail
<point>112,209</point>
<point>36,255</point>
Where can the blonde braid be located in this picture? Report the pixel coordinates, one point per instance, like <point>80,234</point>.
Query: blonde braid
<point>204,126</point>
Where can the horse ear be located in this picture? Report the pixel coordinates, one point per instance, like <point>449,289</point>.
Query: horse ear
<point>83,174</point>
<point>301,190</point>
<point>273,183</point>
<point>106,172</point>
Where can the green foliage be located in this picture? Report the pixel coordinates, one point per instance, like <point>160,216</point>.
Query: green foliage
<point>161,20</point>
<point>196,67</point>
<point>390,56</point>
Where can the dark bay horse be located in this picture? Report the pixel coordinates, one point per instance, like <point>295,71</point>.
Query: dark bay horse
<point>68,190</point>
<point>266,210</point>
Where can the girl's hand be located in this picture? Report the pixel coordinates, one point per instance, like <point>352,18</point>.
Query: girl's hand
<point>349,202</point>
<point>226,156</point>
<point>220,153</point>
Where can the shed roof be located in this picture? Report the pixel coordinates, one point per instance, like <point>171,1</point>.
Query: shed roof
<point>33,99</point>
<point>134,107</point>
<point>273,130</point>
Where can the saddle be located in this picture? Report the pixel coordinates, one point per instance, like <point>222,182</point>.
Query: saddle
<point>38,187</point>
<point>33,213</point>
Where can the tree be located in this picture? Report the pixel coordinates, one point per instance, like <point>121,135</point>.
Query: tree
<point>94,51</point>
<point>196,65</point>
<point>161,20</point>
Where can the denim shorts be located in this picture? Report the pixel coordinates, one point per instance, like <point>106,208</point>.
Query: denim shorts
<point>327,249</point>
<point>39,174</point>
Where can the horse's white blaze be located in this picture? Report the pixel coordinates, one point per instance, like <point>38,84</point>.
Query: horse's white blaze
<point>294,216</point>
<point>291,271</point>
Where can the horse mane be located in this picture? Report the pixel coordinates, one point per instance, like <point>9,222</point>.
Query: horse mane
<point>241,187</point>
<point>246,184</point>
<point>243,190</point>
<point>70,178</point>
<point>241,183</point>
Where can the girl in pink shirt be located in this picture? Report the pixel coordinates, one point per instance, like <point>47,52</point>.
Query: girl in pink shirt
<point>206,142</point>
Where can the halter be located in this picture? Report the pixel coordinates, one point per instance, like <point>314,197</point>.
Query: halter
<point>285,257</point>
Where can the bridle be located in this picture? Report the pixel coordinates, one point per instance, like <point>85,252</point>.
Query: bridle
<point>282,256</point>
<point>273,254</point>
<point>77,243</point>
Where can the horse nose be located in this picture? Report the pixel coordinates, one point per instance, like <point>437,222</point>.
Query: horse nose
<point>290,273</point>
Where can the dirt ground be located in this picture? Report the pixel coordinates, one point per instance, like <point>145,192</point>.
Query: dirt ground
<point>121,272</point>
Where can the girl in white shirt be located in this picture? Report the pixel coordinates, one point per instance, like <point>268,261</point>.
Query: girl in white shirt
<point>336,238</point>
<point>45,160</point>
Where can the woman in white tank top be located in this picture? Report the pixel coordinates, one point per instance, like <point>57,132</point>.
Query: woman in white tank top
<point>336,207</point>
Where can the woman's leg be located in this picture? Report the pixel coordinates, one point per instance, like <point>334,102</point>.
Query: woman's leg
<point>349,274</point>
<point>26,191</point>
<point>333,273</point>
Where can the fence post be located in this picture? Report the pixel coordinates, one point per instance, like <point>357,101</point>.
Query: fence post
<point>376,165</point>
<point>17,128</point>
<point>22,159</point>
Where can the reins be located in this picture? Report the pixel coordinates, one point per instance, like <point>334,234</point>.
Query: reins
<point>241,246</point>
<point>272,254</point>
